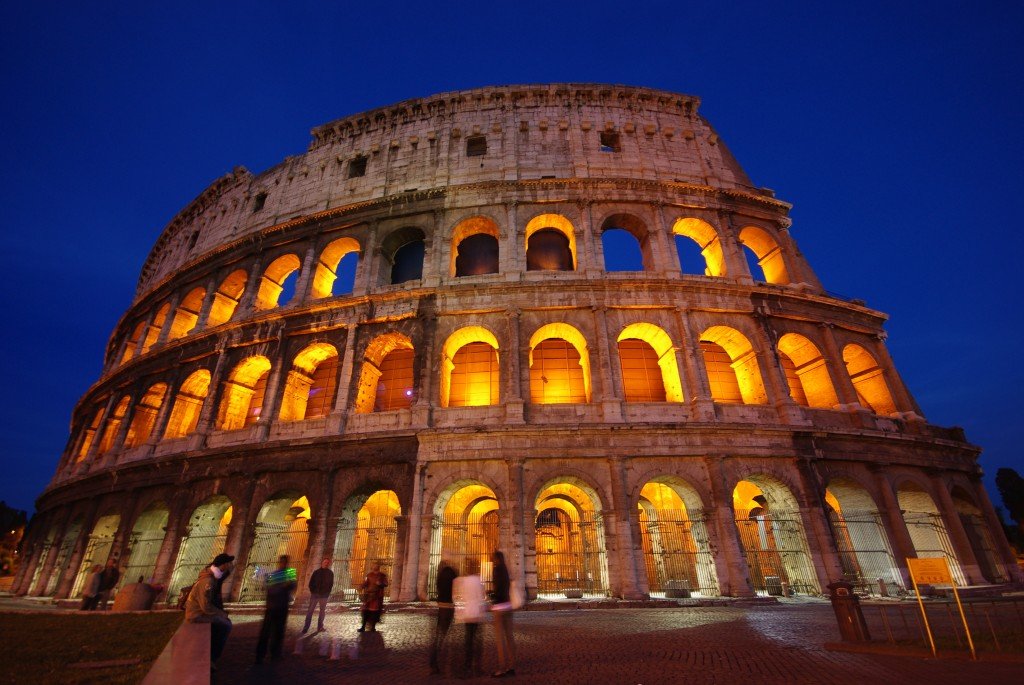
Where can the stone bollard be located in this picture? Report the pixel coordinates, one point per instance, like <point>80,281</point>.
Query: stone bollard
<point>849,616</point>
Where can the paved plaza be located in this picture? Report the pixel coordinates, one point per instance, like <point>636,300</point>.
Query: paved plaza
<point>765,644</point>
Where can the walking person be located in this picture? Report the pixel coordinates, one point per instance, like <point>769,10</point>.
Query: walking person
<point>108,581</point>
<point>373,598</point>
<point>205,605</point>
<point>502,610</point>
<point>446,576</point>
<point>470,609</point>
<point>91,593</point>
<point>320,585</point>
<point>280,586</point>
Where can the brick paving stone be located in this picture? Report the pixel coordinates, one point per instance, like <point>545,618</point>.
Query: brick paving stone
<point>773,644</point>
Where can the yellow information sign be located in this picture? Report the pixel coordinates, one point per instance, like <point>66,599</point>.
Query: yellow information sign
<point>930,571</point>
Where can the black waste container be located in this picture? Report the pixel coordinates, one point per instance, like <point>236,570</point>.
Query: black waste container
<point>849,616</point>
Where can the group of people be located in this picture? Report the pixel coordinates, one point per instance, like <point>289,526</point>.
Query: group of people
<point>99,585</point>
<point>460,599</point>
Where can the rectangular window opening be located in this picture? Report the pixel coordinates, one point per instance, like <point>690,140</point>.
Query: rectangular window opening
<point>357,167</point>
<point>610,142</point>
<point>257,205</point>
<point>476,146</point>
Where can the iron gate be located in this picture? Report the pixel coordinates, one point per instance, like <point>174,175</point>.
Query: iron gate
<point>63,552</point>
<point>777,553</point>
<point>271,540</point>
<point>143,549</point>
<point>358,548</point>
<point>980,539</point>
<point>570,554</point>
<point>46,550</point>
<point>195,553</point>
<point>864,551</point>
<point>463,545</point>
<point>676,552</point>
<point>931,541</point>
<point>96,552</point>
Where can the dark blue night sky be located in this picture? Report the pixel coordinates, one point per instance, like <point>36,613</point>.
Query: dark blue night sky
<point>893,128</point>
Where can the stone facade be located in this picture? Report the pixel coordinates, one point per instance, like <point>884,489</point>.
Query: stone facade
<point>759,440</point>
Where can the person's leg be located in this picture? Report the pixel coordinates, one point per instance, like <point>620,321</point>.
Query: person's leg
<point>309,615</point>
<point>365,615</point>
<point>261,645</point>
<point>277,629</point>
<point>323,610</point>
<point>510,642</point>
<point>219,631</point>
<point>499,639</point>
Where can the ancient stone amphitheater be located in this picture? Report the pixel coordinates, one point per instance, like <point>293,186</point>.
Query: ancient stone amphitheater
<point>558,320</point>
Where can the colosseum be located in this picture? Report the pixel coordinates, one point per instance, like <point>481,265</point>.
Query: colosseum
<point>557,320</point>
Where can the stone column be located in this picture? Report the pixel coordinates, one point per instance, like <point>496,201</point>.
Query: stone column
<point>72,567</point>
<point>204,424</point>
<point>97,437</point>
<point>827,563</point>
<point>275,391</point>
<point>125,525</point>
<point>411,562</point>
<point>512,391</point>
<point>209,297</point>
<point>586,251</point>
<point>957,535</point>
<point>510,262</point>
<point>166,558</point>
<point>845,391</point>
<point>304,283</point>
<point>632,584</point>
<point>239,539</point>
<point>904,401</point>
<point>899,536</point>
<point>343,395</point>
<point>317,530</point>
<point>695,375</point>
<point>163,415</point>
<point>662,245</point>
<point>774,378</point>
<point>252,287</point>
<point>515,555</point>
<point>723,536</point>
<point>172,312</point>
<point>612,394</point>
<point>365,268</point>
<point>732,250</point>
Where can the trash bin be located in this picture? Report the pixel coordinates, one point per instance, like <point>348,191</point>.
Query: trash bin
<point>849,616</point>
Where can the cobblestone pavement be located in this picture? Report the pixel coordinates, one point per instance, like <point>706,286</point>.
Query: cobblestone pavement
<point>700,645</point>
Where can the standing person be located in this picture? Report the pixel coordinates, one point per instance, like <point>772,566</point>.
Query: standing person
<point>108,581</point>
<point>445,612</point>
<point>280,586</point>
<point>373,598</point>
<point>91,593</point>
<point>205,605</point>
<point>470,607</point>
<point>320,585</point>
<point>502,610</point>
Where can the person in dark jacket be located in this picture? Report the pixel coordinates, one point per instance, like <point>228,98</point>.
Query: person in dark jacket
<point>502,610</point>
<point>108,581</point>
<point>280,586</point>
<point>320,585</point>
<point>445,612</point>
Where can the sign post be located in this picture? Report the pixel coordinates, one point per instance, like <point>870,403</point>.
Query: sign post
<point>935,571</point>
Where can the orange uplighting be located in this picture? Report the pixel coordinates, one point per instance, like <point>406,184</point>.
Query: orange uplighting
<point>188,404</point>
<point>702,233</point>
<point>769,254</point>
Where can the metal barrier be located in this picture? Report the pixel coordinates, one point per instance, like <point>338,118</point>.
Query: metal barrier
<point>996,625</point>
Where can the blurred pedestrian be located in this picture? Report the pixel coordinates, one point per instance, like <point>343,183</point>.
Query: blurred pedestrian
<point>108,581</point>
<point>280,586</point>
<point>373,598</point>
<point>446,576</point>
<point>205,605</point>
<point>502,609</point>
<point>470,609</point>
<point>91,593</point>
<point>320,585</point>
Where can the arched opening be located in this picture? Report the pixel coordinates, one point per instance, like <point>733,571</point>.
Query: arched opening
<point>204,539</point>
<point>469,368</point>
<point>405,249</point>
<point>186,316</point>
<point>46,549</point>
<point>367,531</point>
<point>144,544</point>
<point>387,381</point>
<point>63,552</point>
<point>731,364</point>
<point>868,380</point>
<point>770,262</point>
<point>277,286</point>
<point>464,531</point>
<point>242,401</point>
<point>113,425</point>
<point>806,373</point>
<point>145,416</point>
<point>311,385</point>
<point>708,259</point>
<point>674,538</point>
<point>978,536</point>
<point>550,244</point>
<point>88,436</point>
<point>474,247</point>
<point>188,404</point>
<point>97,549</point>
<point>333,275</point>
<point>134,339</point>
<point>859,534</point>
<point>282,527</point>
<point>226,298</point>
<point>773,539</point>
<point>649,369</point>
<point>569,538</point>
<point>153,331</point>
<point>559,366</point>
<point>927,529</point>
<point>626,244</point>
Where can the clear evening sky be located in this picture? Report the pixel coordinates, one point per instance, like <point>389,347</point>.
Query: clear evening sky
<point>895,130</point>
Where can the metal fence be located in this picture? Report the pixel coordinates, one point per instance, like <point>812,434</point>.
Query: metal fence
<point>571,554</point>
<point>864,551</point>
<point>467,546</point>
<point>358,548</point>
<point>270,541</point>
<point>96,552</point>
<point>143,549</point>
<point>928,533</point>
<point>194,554</point>
<point>776,554</point>
<point>996,625</point>
<point>677,555</point>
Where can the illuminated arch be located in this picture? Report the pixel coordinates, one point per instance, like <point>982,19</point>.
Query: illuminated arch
<point>707,239</point>
<point>242,400</point>
<point>859,534</point>
<point>226,298</point>
<point>113,423</point>
<point>272,283</point>
<point>868,380</point>
<point>153,331</point>
<point>769,254</point>
<point>465,529</point>
<point>88,436</point>
<point>309,390</point>
<point>469,368</point>
<point>806,373</point>
<point>186,316</point>
<point>188,404</point>
<point>740,367</point>
<point>146,538</point>
<point>569,540</point>
<point>636,228</point>
<point>133,341</point>
<point>558,223</point>
<point>205,536</point>
<point>145,415</point>
<point>326,271</point>
<point>379,380</point>
<point>927,529</point>
<point>367,531</point>
<point>553,376</point>
<point>285,530</point>
<point>656,339</point>
<point>474,247</point>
